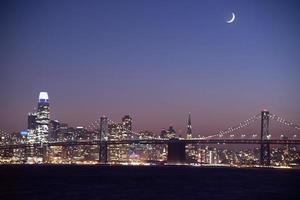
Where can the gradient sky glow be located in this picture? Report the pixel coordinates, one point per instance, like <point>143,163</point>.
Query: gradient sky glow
<point>154,60</point>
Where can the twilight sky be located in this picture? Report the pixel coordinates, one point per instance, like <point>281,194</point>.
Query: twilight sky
<point>155,60</point>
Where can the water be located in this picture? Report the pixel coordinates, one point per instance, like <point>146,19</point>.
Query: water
<point>127,183</point>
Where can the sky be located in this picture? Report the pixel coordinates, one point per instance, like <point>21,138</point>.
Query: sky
<point>154,60</point>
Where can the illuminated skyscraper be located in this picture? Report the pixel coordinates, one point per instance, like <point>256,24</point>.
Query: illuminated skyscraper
<point>163,133</point>
<point>127,122</point>
<point>171,133</point>
<point>31,121</point>
<point>114,152</point>
<point>127,127</point>
<point>126,134</point>
<point>53,130</point>
<point>32,126</point>
<point>189,128</point>
<point>191,153</point>
<point>43,117</point>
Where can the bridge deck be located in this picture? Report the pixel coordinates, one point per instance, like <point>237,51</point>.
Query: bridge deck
<point>156,141</point>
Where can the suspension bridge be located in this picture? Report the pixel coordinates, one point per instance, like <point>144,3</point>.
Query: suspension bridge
<point>219,138</point>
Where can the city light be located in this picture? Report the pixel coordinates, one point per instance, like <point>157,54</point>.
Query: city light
<point>105,141</point>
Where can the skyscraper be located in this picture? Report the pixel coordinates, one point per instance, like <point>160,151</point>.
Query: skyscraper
<point>171,133</point>
<point>163,133</point>
<point>114,152</point>
<point>31,121</point>
<point>127,122</point>
<point>189,128</point>
<point>43,117</point>
<point>126,134</point>
<point>32,126</point>
<point>127,127</point>
<point>191,153</point>
<point>53,130</point>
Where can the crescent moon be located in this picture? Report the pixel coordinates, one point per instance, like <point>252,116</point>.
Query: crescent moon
<point>232,19</point>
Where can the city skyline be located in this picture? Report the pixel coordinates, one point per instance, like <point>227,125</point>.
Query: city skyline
<point>155,61</point>
<point>39,122</point>
<point>109,142</point>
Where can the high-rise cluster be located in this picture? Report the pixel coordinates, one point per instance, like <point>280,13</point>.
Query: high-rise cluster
<point>114,132</point>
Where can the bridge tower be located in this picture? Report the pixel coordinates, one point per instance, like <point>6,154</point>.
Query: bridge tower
<point>265,145</point>
<point>103,140</point>
<point>103,152</point>
<point>176,151</point>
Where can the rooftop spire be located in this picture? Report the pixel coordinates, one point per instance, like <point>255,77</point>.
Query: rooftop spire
<point>189,127</point>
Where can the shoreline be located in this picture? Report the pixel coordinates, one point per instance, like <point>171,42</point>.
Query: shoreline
<point>206,166</point>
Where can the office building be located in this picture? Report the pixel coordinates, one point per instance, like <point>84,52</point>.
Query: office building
<point>43,117</point>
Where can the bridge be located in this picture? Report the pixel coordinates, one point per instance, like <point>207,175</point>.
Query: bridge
<point>178,144</point>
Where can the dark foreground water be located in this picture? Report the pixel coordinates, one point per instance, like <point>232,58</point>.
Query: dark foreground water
<point>99,182</point>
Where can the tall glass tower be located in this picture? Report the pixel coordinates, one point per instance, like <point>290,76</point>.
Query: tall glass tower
<point>43,117</point>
